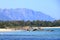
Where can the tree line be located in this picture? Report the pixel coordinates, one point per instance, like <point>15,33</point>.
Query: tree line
<point>34,23</point>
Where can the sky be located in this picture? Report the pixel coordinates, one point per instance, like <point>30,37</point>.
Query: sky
<point>49,7</point>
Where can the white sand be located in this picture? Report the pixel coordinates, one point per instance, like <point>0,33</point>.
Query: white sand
<point>49,27</point>
<point>7,30</point>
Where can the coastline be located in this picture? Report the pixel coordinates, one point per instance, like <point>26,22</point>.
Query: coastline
<point>5,30</point>
<point>8,30</point>
<point>49,27</point>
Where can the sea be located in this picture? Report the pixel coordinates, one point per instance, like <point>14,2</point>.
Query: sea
<point>32,35</point>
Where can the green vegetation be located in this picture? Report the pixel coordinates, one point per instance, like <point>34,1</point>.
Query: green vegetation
<point>37,23</point>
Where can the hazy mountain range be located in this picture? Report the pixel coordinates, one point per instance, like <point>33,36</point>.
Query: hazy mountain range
<point>23,14</point>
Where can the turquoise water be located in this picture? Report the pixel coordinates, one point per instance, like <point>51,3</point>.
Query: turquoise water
<point>31,35</point>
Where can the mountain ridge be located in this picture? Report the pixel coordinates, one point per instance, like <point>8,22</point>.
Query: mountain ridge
<point>23,14</point>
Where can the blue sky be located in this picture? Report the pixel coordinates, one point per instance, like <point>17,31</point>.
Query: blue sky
<point>49,7</point>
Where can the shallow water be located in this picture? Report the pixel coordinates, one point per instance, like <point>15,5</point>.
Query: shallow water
<point>32,35</point>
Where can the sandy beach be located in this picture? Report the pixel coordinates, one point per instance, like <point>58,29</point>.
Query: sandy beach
<point>49,27</point>
<point>7,30</point>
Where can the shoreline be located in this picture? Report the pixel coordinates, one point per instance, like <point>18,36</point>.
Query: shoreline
<point>5,30</point>
<point>8,30</point>
<point>49,27</point>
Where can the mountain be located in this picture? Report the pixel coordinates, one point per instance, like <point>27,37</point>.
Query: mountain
<point>23,14</point>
